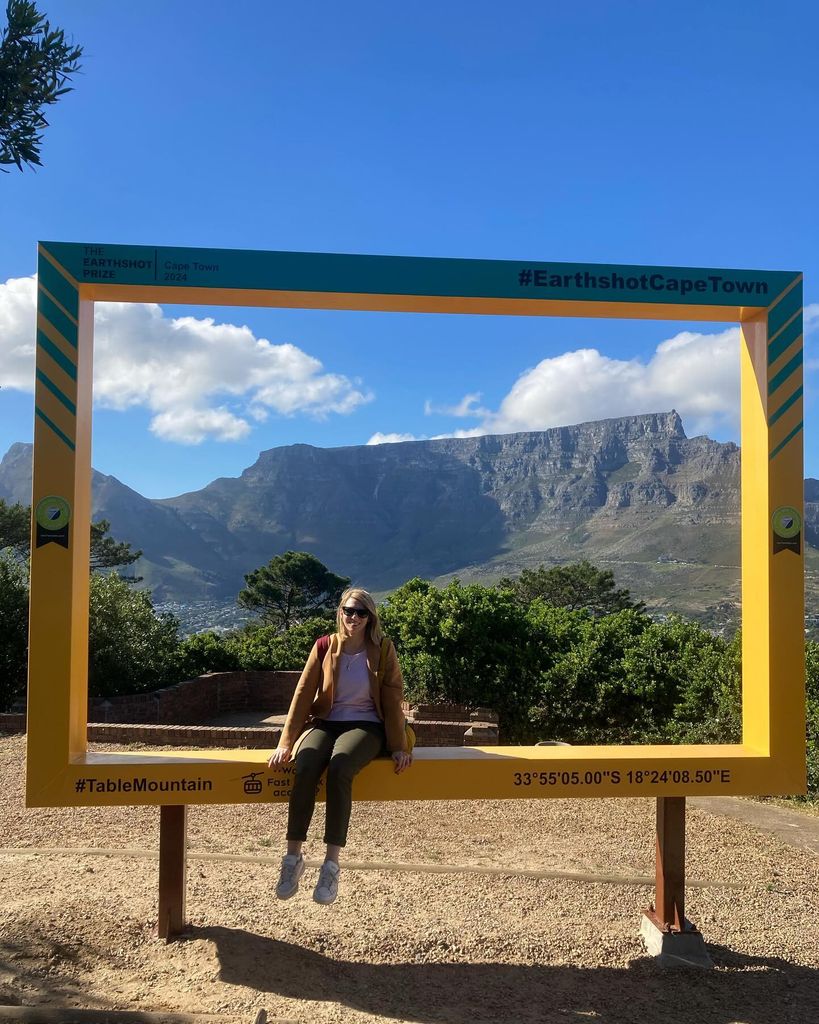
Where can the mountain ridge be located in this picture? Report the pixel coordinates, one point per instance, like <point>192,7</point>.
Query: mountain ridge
<point>631,491</point>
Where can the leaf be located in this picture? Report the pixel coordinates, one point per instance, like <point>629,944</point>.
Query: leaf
<point>35,65</point>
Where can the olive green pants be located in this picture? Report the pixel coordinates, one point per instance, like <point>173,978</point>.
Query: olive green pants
<point>343,748</point>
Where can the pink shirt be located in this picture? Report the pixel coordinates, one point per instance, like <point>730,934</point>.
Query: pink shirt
<point>352,701</point>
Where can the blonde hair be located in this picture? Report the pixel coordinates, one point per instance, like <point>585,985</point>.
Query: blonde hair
<point>374,634</point>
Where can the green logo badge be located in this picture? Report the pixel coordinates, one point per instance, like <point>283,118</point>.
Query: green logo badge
<point>51,519</point>
<point>52,513</point>
<point>786,522</point>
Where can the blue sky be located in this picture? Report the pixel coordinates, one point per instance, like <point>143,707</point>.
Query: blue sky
<point>605,132</point>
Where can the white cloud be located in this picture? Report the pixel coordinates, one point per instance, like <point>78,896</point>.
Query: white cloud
<point>191,426</point>
<point>17,321</point>
<point>201,379</point>
<point>811,336</point>
<point>379,438</point>
<point>469,405</point>
<point>696,374</point>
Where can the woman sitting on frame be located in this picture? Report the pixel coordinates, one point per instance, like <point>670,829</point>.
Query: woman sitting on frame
<point>350,693</point>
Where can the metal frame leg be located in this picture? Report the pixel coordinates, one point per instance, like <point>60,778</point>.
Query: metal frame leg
<point>668,910</point>
<point>173,842</point>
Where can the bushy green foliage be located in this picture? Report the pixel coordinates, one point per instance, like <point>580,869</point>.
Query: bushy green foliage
<point>557,673</point>
<point>465,644</point>
<point>15,527</point>
<point>579,585</point>
<point>13,631</point>
<point>812,687</point>
<point>35,65</point>
<point>131,648</point>
<point>689,681</point>
<point>206,652</point>
<point>587,694</point>
<point>267,647</point>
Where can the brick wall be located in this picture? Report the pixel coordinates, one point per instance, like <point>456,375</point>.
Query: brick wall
<point>271,690</point>
<point>184,735</point>
<point>172,716</point>
<point>191,701</point>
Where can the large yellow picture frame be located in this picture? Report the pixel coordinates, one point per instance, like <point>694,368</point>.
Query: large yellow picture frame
<point>766,304</point>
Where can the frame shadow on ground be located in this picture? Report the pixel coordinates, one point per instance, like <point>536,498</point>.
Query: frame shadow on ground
<point>753,990</point>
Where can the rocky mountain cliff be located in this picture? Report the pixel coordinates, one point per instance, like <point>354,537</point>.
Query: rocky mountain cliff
<point>633,492</point>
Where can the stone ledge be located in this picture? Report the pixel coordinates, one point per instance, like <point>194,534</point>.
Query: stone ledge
<point>176,735</point>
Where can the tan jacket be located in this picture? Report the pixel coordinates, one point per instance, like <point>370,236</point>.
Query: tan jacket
<point>314,693</point>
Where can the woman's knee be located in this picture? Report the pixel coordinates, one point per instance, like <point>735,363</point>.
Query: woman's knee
<point>309,763</point>
<point>342,767</point>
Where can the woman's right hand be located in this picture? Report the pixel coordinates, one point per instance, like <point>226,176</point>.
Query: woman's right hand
<point>281,755</point>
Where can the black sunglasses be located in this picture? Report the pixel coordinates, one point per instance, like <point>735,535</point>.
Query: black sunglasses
<point>362,613</point>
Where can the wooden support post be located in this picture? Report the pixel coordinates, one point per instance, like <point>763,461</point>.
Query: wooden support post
<point>668,936</point>
<point>668,912</point>
<point>173,842</point>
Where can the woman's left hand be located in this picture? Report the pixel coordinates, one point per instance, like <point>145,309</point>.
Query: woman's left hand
<point>402,760</point>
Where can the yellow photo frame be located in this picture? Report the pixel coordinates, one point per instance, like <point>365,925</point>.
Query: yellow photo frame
<point>766,304</point>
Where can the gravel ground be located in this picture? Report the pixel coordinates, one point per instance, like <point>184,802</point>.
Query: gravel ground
<point>438,921</point>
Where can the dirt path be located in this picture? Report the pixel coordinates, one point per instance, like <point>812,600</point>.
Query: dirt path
<point>520,911</point>
<point>792,827</point>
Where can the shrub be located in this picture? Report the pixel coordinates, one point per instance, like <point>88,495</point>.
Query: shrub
<point>131,648</point>
<point>588,694</point>
<point>812,687</point>
<point>13,631</point>
<point>266,647</point>
<point>468,645</point>
<point>205,652</point>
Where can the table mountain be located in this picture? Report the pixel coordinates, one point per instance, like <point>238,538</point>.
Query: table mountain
<point>634,493</point>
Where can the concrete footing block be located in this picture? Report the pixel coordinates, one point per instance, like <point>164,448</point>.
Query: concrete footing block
<point>675,949</point>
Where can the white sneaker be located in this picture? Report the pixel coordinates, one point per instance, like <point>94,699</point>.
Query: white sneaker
<point>291,872</point>
<point>326,888</point>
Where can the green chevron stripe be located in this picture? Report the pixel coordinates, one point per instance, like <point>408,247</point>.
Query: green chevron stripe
<point>790,367</point>
<point>785,406</point>
<point>787,440</point>
<point>58,394</point>
<point>61,360</point>
<point>63,291</point>
<point>50,423</point>
<point>784,340</point>
<point>52,312</point>
<point>783,310</point>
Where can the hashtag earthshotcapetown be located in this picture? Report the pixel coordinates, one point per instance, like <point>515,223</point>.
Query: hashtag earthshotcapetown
<point>710,284</point>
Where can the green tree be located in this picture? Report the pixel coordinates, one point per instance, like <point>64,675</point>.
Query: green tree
<point>107,553</point>
<point>466,644</point>
<point>206,652</point>
<point>575,586</point>
<point>13,631</point>
<point>35,65</point>
<point>688,679</point>
<point>812,708</point>
<point>271,649</point>
<point>15,527</point>
<point>589,694</point>
<point>131,648</point>
<point>291,588</point>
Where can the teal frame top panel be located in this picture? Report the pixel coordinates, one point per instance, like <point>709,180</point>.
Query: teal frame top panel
<point>164,266</point>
